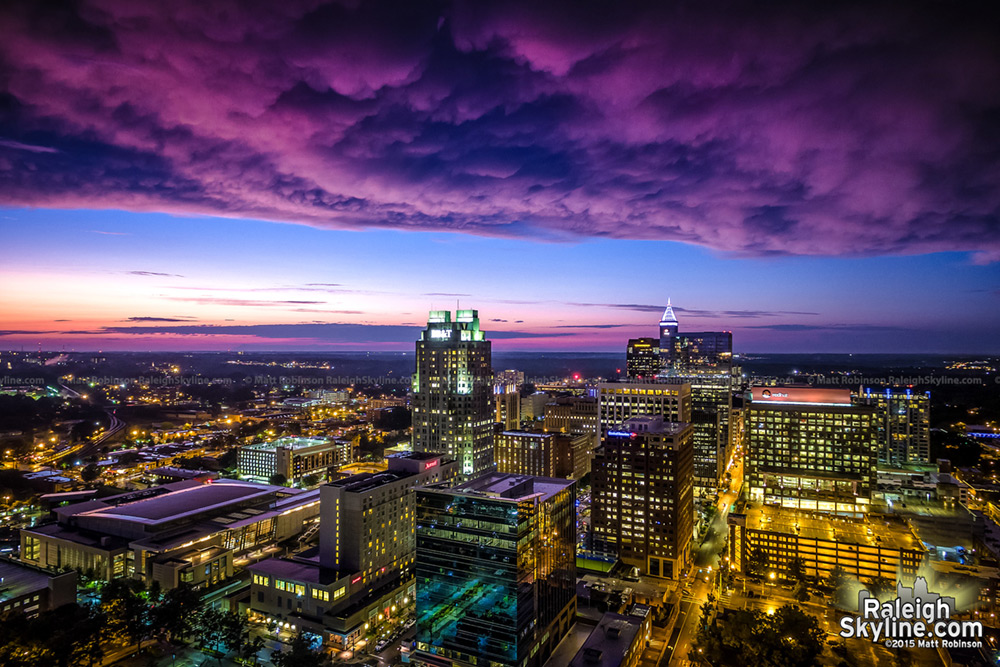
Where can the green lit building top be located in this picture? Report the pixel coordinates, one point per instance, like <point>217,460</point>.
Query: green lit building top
<point>453,391</point>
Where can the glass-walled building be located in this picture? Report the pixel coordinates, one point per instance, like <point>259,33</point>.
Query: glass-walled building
<point>496,570</point>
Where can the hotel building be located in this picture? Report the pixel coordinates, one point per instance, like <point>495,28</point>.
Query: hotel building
<point>362,573</point>
<point>810,449</point>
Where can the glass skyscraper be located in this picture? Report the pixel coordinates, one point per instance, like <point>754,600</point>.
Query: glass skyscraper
<point>453,404</point>
<point>496,570</point>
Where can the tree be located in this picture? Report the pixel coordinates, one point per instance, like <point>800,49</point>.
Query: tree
<point>299,654</point>
<point>277,479</point>
<point>801,592</point>
<point>90,473</point>
<point>757,561</point>
<point>129,614</point>
<point>311,480</point>
<point>797,569</point>
<point>221,631</point>
<point>176,613</point>
<point>881,586</point>
<point>787,638</point>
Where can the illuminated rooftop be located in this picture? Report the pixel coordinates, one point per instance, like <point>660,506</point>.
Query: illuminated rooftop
<point>875,530</point>
<point>289,443</point>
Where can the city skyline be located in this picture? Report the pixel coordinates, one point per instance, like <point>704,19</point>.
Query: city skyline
<point>814,179</point>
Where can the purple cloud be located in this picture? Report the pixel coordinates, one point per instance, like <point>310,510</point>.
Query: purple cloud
<point>784,128</point>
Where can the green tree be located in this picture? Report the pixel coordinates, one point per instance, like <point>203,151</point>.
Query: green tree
<point>787,638</point>
<point>757,561</point>
<point>881,586</point>
<point>177,611</point>
<point>129,614</point>
<point>90,473</point>
<point>299,654</point>
<point>221,631</point>
<point>311,480</point>
<point>277,479</point>
<point>797,569</point>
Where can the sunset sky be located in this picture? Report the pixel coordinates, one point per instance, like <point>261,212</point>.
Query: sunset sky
<point>311,175</point>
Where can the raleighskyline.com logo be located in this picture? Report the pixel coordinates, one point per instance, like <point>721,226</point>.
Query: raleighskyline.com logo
<point>917,618</point>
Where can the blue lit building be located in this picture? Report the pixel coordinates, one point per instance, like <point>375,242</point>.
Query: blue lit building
<point>496,571</point>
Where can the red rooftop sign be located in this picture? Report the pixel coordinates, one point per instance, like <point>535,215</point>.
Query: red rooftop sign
<point>800,395</point>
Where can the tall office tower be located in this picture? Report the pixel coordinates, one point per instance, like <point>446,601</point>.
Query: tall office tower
<point>668,333</point>
<point>453,407</point>
<point>810,449</point>
<point>507,401</point>
<point>904,429</point>
<point>618,401</point>
<point>711,405</point>
<point>703,351</point>
<point>642,485</point>
<point>642,358</point>
<point>543,454</point>
<point>496,571</point>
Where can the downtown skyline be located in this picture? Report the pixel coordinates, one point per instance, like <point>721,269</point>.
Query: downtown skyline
<point>319,177</point>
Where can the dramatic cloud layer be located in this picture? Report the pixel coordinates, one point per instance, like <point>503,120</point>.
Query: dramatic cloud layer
<point>757,128</point>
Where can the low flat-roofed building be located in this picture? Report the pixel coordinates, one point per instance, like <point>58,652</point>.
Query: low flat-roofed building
<point>617,641</point>
<point>182,532</point>
<point>768,538</point>
<point>292,458</point>
<point>29,590</point>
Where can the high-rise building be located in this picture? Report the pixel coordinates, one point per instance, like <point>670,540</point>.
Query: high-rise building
<point>702,351</point>
<point>810,449</point>
<point>642,491</point>
<point>453,408</point>
<point>642,358</point>
<point>705,361</point>
<point>511,376</point>
<point>576,415</point>
<point>364,574</point>
<point>507,401</point>
<point>711,405</point>
<point>618,401</point>
<point>668,333</point>
<point>542,454</point>
<point>496,571</point>
<point>904,430</point>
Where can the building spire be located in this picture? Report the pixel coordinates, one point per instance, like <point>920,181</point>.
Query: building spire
<point>668,314</point>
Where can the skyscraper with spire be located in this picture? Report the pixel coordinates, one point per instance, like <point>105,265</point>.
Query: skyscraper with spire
<point>703,360</point>
<point>453,408</point>
<point>668,335</point>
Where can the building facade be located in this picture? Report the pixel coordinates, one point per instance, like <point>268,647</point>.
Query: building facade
<point>453,408</point>
<point>810,449</point>
<point>188,532</point>
<point>904,425</point>
<point>619,401</point>
<point>768,539</point>
<point>507,401</point>
<point>543,454</point>
<point>363,575</point>
<point>292,458</point>
<point>496,571</point>
<point>642,358</point>
<point>642,493</point>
